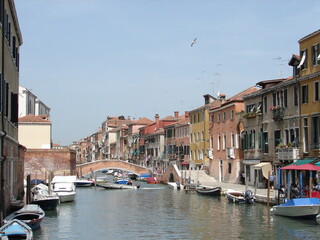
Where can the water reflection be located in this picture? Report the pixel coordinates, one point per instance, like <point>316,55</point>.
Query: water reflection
<point>158,212</point>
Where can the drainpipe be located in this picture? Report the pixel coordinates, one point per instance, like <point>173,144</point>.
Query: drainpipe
<point>2,132</point>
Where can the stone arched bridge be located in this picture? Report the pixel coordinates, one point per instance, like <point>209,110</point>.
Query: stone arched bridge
<point>87,168</point>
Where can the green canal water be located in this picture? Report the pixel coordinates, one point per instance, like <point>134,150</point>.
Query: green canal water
<point>158,212</point>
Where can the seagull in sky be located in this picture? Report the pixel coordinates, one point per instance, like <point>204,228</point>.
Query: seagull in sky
<point>193,42</point>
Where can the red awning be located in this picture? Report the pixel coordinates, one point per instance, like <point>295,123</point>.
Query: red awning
<point>308,166</point>
<point>184,163</point>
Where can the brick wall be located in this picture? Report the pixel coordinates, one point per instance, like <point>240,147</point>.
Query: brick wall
<point>38,162</point>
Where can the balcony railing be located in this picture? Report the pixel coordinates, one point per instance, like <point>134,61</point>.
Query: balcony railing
<point>289,153</point>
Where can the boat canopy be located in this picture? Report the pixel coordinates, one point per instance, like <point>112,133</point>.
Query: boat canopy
<point>302,161</point>
<point>265,168</point>
<point>64,179</point>
<point>308,166</point>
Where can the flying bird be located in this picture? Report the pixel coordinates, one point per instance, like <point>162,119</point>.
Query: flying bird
<point>193,42</point>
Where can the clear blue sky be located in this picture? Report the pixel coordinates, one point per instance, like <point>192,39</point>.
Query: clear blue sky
<point>91,59</point>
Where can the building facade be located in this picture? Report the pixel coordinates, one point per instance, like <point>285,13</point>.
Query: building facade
<point>11,164</point>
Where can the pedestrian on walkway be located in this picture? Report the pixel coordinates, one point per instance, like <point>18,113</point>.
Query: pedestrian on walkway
<point>271,180</point>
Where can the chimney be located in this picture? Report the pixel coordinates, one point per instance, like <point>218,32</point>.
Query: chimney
<point>222,97</point>
<point>157,121</point>
<point>176,114</point>
<point>186,114</point>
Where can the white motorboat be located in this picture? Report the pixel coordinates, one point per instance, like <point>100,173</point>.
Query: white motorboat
<point>298,208</point>
<point>65,187</point>
<point>83,182</point>
<point>118,186</point>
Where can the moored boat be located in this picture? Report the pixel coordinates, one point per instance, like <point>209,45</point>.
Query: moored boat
<point>65,187</point>
<point>83,182</point>
<point>31,214</point>
<point>240,197</point>
<point>298,208</point>
<point>16,229</point>
<point>46,199</point>
<point>143,176</point>
<point>209,191</point>
<point>118,186</point>
<point>152,180</point>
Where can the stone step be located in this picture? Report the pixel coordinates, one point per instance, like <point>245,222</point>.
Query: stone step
<point>200,176</point>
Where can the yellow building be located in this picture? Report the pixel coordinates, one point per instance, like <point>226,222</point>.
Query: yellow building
<point>306,69</point>
<point>199,133</point>
<point>35,132</point>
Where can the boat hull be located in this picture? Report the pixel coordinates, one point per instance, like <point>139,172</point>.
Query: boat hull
<point>31,214</point>
<point>298,208</point>
<point>117,186</point>
<point>66,196</point>
<point>16,229</point>
<point>47,204</point>
<point>239,197</point>
<point>209,191</point>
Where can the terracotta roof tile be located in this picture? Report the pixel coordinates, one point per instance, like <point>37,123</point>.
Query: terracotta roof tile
<point>34,118</point>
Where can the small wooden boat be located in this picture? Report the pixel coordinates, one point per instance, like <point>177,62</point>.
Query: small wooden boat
<point>298,208</point>
<point>46,199</point>
<point>209,191</point>
<point>240,197</point>
<point>118,186</point>
<point>16,229</point>
<point>31,214</point>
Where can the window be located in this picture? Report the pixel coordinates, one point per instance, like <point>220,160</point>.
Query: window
<point>218,117</point>
<point>304,60</point>
<point>315,132</point>
<point>219,142</point>
<point>224,142</point>
<point>305,135</point>
<point>305,94</point>
<point>316,91</point>
<point>229,167</point>
<point>277,138</point>
<point>250,108</point>
<point>265,145</point>
<point>315,55</point>
<point>212,118</point>
<point>232,114</point>
<point>224,116</point>
<point>296,95</point>
<point>232,140</point>
<point>265,104</point>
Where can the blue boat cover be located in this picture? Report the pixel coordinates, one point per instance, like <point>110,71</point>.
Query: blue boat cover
<point>14,229</point>
<point>145,175</point>
<point>301,202</point>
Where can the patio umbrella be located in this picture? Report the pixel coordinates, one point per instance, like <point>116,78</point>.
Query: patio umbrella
<point>308,166</point>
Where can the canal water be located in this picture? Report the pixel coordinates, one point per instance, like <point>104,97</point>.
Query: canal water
<point>159,212</point>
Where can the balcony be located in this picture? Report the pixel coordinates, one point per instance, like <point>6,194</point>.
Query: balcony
<point>230,153</point>
<point>288,153</point>
<point>277,113</point>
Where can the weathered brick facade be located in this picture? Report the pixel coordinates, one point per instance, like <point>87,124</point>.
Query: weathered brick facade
<point>38,162</point>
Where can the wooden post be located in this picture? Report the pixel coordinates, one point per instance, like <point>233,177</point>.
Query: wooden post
<point>310,185</point>
<point>256,182</point>
<point>28,197</point>
<point>268,193</point>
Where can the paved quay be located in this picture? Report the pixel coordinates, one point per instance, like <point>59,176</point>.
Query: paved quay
<point>261,193</point>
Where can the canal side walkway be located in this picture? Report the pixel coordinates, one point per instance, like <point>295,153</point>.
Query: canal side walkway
<point>203,179</point>
<point>261,193</point>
